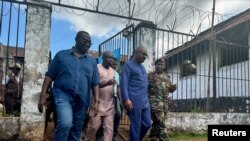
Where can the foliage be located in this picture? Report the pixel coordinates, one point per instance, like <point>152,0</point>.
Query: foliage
<point>14,114</point>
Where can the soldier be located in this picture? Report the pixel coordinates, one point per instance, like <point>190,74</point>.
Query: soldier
<point>159,88</point>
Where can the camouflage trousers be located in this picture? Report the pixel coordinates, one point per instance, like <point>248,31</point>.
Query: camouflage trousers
<point>158,130</point>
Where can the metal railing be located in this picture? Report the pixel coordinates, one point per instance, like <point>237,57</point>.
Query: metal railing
<point>211,76</point>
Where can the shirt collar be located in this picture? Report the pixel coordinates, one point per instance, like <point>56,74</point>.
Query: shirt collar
<point>71,51</point>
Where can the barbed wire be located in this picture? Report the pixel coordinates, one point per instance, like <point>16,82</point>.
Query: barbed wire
<point>164,13</point>
<point>167,14</point>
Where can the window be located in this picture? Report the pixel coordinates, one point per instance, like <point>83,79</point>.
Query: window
<point>232,54</point>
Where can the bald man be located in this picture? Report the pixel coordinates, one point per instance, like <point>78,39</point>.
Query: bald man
<point>134,92</point>
<point>106,109</point>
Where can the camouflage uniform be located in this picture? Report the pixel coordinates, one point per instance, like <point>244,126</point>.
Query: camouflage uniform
<point>158,95</point>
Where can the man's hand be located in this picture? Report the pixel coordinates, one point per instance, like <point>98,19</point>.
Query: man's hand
<point>172,88</point>
<point>42,102</point>
<point>107,83</point>
<point>96,107</point>
<point>128,105</point>
<point>111,82</point>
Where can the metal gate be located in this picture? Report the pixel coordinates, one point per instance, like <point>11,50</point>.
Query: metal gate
<point>211,75</point>
<point>122,41</point>
<point>12,41</point>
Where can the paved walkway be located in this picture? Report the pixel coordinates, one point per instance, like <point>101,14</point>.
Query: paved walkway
<point>123,132</point>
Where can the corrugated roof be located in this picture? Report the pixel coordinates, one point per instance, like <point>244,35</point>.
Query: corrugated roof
<point>207,34</point>
<point>16,51</point>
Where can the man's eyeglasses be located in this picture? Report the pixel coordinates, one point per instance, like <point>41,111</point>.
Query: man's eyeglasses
<point>144,54</point>
<point>86,42</point>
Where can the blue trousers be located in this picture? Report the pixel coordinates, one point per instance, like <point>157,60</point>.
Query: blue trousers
<point>140,122</point>
<point>70,119</point>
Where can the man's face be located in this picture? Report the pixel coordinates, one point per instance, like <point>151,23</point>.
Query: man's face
<point>108,59</point>
<point>83,44</point>
<point>141,55</point>
<point>160,67</point>
<point>15,71</point>
<point>114,64</point>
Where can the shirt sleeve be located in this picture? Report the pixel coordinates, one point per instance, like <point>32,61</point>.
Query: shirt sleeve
<point>53,67</point>
<point>117,78</point>
<point>95,76</point>
<point>124,82</point>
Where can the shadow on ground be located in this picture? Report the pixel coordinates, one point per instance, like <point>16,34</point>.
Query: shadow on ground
<point>123,132</point>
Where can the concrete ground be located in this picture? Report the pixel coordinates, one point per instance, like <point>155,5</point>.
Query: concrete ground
<point>123,132</point>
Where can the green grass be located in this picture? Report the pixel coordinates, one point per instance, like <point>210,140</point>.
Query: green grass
<point>187,136</point>
<point>1,112</point>
<point>15,113</point>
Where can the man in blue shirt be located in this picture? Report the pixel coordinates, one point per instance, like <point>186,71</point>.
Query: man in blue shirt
<point>134,91</point>
<point>74,74</point>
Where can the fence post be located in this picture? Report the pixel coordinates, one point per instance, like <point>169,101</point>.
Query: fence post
<point>145,33</point>
<point>36,63</point>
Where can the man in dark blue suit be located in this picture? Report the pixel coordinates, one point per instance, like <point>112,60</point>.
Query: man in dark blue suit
<point>134,91</point>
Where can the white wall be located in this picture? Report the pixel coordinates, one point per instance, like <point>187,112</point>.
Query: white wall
<point>230,80</point>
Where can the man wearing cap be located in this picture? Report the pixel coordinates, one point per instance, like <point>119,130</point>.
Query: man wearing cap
<point>13,90</point>
<point>75,75</point>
